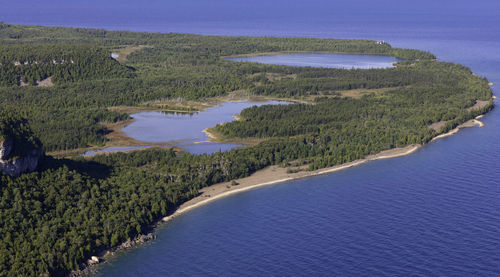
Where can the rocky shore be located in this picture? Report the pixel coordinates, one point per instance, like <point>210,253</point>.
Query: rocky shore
<point>90,266</point>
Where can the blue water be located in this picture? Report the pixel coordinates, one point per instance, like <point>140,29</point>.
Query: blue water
<point>433,213</point>
<point>328,60</point>
<point>185,130</point>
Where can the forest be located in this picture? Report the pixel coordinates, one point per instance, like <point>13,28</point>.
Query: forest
<point>69,114</point>
<point>16,129</point>
<point>52,220</point>
<point>64,63</point>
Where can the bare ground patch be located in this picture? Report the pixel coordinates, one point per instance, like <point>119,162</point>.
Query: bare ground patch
<point>45,83</point>
<point>478,105</point>
<point>42,83</point>
<point>438,125</point>
<point>124,52</point>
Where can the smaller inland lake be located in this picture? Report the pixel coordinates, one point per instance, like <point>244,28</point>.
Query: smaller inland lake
<point>185,130</point>
<point>345,61</point>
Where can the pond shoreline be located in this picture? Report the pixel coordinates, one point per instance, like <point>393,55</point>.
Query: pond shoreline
<point>320,59</point>
<point>297,52</point>
<point>119,139</point>
<point>264,177</point>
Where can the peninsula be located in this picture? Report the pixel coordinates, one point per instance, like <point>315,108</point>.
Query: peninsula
<point>70,95</point>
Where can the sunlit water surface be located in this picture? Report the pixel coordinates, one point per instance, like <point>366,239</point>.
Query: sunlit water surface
<point>185,130</point>
<point>433,213</point>
<point>345,61</point>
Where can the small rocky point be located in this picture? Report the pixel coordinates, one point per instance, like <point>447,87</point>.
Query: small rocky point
<point>89,266</point>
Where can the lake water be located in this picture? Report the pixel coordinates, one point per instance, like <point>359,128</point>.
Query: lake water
<point>185,130</point>
<point>433,213</point>
<point>345,61</point>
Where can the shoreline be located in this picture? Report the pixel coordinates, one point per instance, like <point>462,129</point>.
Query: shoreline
<point>116,138</point>
<point>265,177</point>
<point>279,175</point>
<point>467,124</point>
<point>274,175</point>
<point>299,52</point>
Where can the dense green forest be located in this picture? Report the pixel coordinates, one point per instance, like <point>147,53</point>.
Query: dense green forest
<point>16,129</point>
<point>53,220</point>
<point>64,63</point>
<point>401,116</point>
<point>175,65</point>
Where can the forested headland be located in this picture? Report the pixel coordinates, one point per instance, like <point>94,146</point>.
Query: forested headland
<point>54,219</point>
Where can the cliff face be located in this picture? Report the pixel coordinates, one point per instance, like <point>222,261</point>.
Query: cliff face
<point>20,150</point>
<point>16,165</point>
<point>6,148</point>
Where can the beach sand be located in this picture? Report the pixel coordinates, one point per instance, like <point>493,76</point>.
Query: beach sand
<point>276,174</point>
<point>470,123</point>
<point>273,175</point>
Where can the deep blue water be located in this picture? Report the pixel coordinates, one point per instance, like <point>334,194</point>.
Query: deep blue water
<point>433,213</point>
<point>345,61</point>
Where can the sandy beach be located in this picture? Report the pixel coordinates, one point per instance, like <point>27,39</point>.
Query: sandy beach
<point>275,174</point>
<point>266,177</point>
<point>470,123</point>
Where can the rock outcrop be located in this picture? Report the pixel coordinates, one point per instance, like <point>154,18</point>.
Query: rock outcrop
<point>89,267</point>
<point>14,166</point>
<point>139,240</point>
<point>20,150</point>
<point>6,147</point>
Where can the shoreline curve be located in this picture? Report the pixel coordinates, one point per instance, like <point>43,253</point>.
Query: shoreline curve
<point>275,174</point>
<point>279,175</point>
<point>262,178</point>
